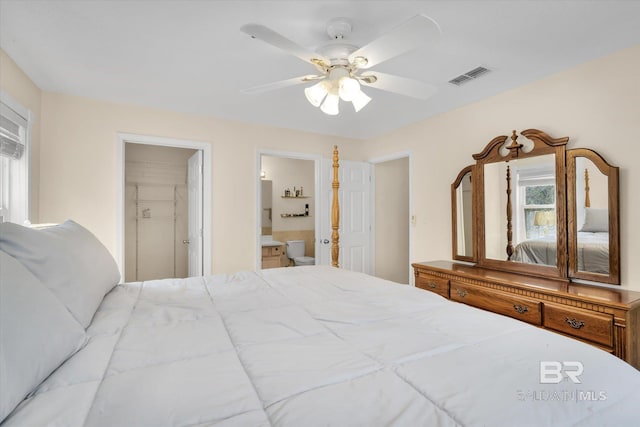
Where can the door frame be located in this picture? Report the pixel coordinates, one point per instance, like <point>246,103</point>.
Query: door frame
<point>206,148</point>
<point>316,194</point>
<point>412,219</point>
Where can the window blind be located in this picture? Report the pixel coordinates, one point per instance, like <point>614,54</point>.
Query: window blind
<point>12,133</point>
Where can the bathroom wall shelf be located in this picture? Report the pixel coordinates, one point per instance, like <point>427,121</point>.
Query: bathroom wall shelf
<point>296,215</point>
<point>295,197</point>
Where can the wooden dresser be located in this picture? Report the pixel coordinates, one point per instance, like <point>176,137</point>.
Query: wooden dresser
<point>604,317</point>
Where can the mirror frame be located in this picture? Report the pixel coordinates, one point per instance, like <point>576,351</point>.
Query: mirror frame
<point>542,144</point>
<point>612,174</point>
<point>454,216</point>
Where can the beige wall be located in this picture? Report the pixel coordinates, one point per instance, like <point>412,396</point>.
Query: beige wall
<point>392,220</point>
<point>597,104</point>
<point>20,87</point>
<point>78,168</point>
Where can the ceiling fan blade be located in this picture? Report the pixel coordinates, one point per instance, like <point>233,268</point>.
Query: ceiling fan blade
<point>281,84</point>
<point>269,36</point>
<point>400,85</point>
<point>414,33</point>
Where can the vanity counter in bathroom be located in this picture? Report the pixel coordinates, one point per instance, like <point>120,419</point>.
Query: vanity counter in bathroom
<point>271,252</point>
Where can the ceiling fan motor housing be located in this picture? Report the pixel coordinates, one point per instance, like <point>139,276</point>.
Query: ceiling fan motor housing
<point>339,28</point>
<point>338,52</point>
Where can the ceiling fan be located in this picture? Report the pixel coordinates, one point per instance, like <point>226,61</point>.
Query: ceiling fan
<point>343,67</point>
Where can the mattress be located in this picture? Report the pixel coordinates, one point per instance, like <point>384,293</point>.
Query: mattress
<point>317,345</point>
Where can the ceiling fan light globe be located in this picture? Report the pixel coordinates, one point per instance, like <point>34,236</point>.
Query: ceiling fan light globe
<point>330,105</point>
<point>316,93</point>
<point>349,88</point>
<point>360,101</point>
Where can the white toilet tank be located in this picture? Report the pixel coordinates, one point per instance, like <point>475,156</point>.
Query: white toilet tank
<point>295,248</point>
<point>295,251</point>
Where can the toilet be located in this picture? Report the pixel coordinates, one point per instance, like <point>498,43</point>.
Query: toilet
<point>295,251</point>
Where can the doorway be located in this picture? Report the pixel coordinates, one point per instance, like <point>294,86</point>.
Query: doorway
<point>156,210</point>
<point>392,207</point>
<point>287,207</point>
<point>164,214</point>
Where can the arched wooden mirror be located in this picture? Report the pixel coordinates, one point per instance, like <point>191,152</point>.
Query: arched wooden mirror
<point>521,204</point>
<point>463,212</point>
<point>539,209</point>
<point>593,223</point>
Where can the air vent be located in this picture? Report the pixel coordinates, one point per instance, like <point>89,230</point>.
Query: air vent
<point>469,75</point>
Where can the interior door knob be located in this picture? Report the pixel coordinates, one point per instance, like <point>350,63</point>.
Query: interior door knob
<point>185,242</point>
<point>325,241</point>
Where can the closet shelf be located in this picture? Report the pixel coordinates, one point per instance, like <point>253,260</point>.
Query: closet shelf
<point>296,215</point>
<point>295,197</point>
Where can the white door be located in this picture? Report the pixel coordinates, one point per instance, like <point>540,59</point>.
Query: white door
<point>355,215</point>
<point>194,183</point>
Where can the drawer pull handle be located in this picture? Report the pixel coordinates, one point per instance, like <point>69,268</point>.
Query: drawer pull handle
<point>520,308</point>
<point>433,285</point>
<point>462,293</point>
<point>574,323</point>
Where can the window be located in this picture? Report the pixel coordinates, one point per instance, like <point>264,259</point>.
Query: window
<point>536,201</point>
<point>14,162</point>
<point>539,210</point>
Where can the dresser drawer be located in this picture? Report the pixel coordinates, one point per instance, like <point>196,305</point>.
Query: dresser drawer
<point>521,308</point>
<point>584,324</point>
<point>271,250</point>
<point>270,262</point>
<point>433,284</point>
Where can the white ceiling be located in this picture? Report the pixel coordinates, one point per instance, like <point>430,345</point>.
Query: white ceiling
<point>190,56</point>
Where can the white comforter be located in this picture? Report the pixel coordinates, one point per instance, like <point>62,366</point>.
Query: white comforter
<point>310,346</point>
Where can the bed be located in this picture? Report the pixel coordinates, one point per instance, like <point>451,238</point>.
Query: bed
<point>298,346</point>
<point>593,251</point>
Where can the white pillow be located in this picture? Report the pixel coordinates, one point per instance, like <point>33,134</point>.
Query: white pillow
<point>595,220</point>
<point>68,260</point>
<point>37,333</point>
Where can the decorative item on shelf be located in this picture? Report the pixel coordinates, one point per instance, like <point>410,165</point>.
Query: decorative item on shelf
<point>296,193</point>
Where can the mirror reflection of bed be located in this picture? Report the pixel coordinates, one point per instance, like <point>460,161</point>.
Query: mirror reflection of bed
<point>592,217</point>
<point>539,245</point>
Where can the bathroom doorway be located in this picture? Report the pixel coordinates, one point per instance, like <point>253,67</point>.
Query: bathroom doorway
<point>164,218</point>
<point>287,207</point>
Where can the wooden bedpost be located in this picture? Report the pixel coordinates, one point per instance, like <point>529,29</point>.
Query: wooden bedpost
<point>509,216</point>
<point>335,211</point>
<point>587,198</point>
